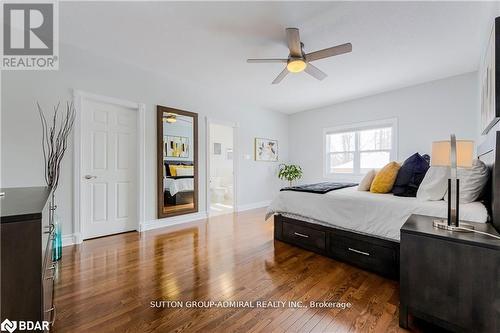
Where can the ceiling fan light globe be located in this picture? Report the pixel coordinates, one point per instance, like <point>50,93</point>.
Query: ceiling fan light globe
<point>170,118</point>
<point>296,66</point>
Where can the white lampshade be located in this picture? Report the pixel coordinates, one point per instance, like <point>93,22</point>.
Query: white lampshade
<point>441,153</point>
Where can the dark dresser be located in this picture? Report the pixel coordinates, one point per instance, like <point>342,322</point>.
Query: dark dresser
<point>450,279</point>
<point>27,270</point>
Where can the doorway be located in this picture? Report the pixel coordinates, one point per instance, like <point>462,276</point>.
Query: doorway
<point>221,168</point>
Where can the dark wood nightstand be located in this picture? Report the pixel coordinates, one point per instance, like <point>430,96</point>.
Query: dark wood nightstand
<point>450,279</point>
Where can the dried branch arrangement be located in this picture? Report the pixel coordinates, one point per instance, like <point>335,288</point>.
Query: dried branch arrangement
<point>55,133</point>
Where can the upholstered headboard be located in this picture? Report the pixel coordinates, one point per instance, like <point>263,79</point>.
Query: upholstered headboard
<point>179,162</point>
<point>167,163</point>
<point>489,153</point>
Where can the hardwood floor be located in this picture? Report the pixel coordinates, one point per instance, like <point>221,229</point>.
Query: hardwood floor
<point>107,284</point>
<point>177,208</point>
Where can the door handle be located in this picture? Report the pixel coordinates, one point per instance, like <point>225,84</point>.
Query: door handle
<point>89,177</point>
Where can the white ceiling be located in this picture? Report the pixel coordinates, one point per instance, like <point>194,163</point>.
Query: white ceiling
<point>395,44</point>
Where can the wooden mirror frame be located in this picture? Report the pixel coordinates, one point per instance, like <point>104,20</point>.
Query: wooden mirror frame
<point>159,155</point>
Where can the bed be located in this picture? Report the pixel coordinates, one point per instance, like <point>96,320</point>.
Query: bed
<point>177,189</point>
<point>378,215</point>
<point>363,228</point>
<point>174,185</point>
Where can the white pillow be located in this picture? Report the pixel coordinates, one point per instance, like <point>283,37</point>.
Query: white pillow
<point>367,180</point>
<point>472,181</point>
<point>434,185</point>
<point>185,171</point>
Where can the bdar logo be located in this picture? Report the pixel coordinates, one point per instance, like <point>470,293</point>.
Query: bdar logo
<point>8,325</point>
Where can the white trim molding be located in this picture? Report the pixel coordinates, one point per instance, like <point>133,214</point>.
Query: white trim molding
<point>170,221</point>
<point>253,205</point>
<point>70,239</point>
<point>78,96</point>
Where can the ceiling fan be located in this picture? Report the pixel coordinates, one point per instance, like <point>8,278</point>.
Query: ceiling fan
<point>299,61</point>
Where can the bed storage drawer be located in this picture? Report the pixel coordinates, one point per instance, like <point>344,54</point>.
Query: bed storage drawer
<point>305,236</point>
<point>371,253</point>
<point>365,253</point>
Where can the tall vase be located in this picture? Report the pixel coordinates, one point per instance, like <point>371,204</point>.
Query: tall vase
<point>57,240</point>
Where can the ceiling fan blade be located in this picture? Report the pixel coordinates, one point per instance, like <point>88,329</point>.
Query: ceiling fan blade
<point>293,41</point>
<point>329,52</point>
<point>257,61</point>
<point>315,72</point>
<point>281,76</point>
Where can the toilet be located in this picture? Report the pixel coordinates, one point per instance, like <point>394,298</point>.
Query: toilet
<point>218,193</point>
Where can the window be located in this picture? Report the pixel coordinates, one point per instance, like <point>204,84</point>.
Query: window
<point>355,149</point>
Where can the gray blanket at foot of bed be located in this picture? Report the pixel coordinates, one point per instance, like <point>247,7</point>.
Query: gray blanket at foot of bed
<point>320,188</point>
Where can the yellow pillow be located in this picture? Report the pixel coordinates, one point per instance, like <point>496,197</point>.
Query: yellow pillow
<point>385,178</point>
<point>173,168</point>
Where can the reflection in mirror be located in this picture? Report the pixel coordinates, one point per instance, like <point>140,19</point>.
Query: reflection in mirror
<point>177,162</point>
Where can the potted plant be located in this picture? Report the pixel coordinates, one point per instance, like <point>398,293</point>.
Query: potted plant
<point>289,172</point>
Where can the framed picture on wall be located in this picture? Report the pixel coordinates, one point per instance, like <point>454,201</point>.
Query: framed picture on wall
<point>266,150</point>
<point>490,113</point>
<point>176,146</point>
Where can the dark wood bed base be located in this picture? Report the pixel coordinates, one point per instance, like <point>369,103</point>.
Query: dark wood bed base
<point>179,198</point>
<point>367,252</point>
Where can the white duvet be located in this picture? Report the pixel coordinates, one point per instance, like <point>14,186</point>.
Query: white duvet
<point>380,215</point>
<point>175,186</point>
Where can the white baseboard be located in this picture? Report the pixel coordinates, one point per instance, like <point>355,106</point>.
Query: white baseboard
<point>170,221</point>
<point>70,239</point>
<point>253,205</point>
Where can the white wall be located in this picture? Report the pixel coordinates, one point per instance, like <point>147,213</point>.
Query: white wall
<point>21,157</point>
<point>425,113</point>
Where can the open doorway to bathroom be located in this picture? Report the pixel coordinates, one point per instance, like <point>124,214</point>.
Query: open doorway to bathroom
<point>221,168</point>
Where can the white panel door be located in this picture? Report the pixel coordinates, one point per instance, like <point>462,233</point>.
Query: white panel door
<point>109,169</point>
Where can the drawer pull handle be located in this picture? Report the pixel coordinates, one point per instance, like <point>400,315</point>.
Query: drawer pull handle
<point>51,228</point>
<point>52,311</point>
<point>358,251</point>
<point>300,235</point>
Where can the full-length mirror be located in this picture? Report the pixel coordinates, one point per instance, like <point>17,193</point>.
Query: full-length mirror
<point>177,161</point>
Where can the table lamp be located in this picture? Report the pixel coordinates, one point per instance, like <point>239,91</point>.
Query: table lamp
<point>454,153</point>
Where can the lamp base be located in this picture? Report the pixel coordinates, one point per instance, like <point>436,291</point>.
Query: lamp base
<point>443,224</point>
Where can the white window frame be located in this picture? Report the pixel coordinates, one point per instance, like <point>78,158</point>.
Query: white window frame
<point>356,127</point>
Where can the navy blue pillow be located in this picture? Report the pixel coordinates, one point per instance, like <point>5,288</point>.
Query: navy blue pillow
<point>410,175</point>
